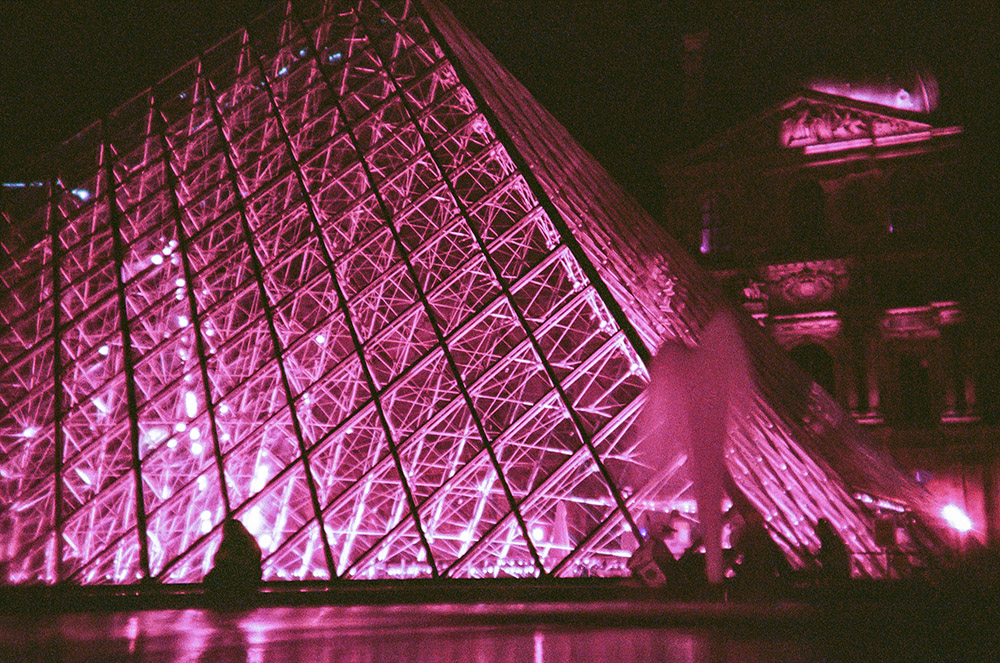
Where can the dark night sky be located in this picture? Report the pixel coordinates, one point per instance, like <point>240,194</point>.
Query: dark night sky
<point>609,70</point>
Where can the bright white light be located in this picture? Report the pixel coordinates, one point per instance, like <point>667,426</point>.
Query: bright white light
<point>283,71</point>
<point>196,448</point>
<point>191,404</point>
<point>320,339</point>
<point>260,476</point>
<point>171,443</point>
<point>104,351</point>
<point>182,321</point>
<point>156,435</point>
<point>156,259</point>
<point>100,405</point>
<point>223,409</point>
<point>253,520</point>
<point>206,522</point>
<point>84,476</point>
<point>181,427</point>
<point>956,518</point>
<point>30,431</point>
<point>179,283</point>
<point>195,433</point>
<point>202,482</point>
<point>537,533</point>
<point>82,194</point>
<point>265,541</point>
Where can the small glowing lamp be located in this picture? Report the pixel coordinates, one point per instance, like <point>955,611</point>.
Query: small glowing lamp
<point>82,194</point>
<point>190,404</point>
<point>956,518</point>
<point>156,259</point>
<point>537,533</point>
<point>104,351</point>
<point>30,431</point>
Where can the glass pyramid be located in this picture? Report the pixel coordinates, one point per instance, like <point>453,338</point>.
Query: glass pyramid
<point>343,278</point>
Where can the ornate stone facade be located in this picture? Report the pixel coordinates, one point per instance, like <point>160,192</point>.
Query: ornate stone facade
<point>840,226</point>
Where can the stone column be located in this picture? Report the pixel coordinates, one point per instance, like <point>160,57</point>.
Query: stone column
<point>991,495</point>
<point>873,361</point>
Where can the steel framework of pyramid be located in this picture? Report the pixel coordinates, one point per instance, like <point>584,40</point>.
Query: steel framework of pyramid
<point>342,278</point>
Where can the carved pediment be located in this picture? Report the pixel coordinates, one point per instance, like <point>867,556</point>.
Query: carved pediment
<point>809,122</point>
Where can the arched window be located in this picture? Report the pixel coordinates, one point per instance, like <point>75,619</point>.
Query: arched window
<point>914,396</point>
<point>817,363</point>
<point>806,206</point>
<point>715,225</point>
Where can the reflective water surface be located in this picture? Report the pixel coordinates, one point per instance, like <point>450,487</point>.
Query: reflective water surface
<point>416,634</point>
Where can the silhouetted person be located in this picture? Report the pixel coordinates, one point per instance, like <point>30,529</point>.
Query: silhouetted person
<point>691,563</point>
<point>662,555</point>
<point>834,557</point>
<point>762,564</point>
<point>237,566</point>
<point>655,550</point>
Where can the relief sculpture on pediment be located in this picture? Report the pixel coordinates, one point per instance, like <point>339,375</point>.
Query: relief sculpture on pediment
<point>815,123</point>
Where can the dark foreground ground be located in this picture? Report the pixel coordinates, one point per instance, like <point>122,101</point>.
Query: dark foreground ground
<point>500,622</point>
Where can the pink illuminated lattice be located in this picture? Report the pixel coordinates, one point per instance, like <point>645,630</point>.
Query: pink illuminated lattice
<point>343,278</point>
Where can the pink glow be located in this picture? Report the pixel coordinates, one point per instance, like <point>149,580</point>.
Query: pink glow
<point>695,397</point>
<point>919,95</point>
<point>880,141</point>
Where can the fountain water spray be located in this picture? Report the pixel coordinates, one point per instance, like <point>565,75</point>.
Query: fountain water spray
<point>694,395</point>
